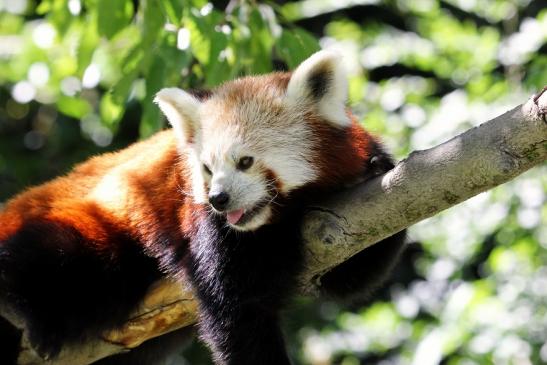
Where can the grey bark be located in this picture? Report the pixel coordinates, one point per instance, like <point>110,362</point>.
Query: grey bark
<point>420,186</point>
<point>424,184</point>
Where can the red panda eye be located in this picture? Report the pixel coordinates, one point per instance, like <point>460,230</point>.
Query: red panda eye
<point>244,163</point>
<point>207,169</point>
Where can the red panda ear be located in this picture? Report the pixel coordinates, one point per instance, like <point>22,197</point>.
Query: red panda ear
<point>321,82</point>
<point>181,110</point>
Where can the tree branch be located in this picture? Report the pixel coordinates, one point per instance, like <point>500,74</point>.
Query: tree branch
<point>420,186</point>
<point>424,184</point>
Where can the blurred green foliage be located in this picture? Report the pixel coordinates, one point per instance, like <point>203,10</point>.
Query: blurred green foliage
<point>77,77</point>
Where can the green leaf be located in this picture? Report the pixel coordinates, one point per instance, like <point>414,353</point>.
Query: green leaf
<point>151,120</point>
<point>215,73</point>
<point>295,45</point>
<point>172,9</point>
<point>261,44</point>
<point>89,41</point>
<point>174,60</point>
<point>151,30</point>
<point>110,110</point>
<point>153,21</point>
<point>113,16</point>
<point>73,106</point>
<point>200,43</point>
<point>130,71</point>
<point>58,15</point>
<point>44,7</point>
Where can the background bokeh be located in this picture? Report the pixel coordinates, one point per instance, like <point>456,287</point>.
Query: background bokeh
<point>77,78</point>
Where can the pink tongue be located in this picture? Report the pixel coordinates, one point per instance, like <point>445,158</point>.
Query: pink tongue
<point>234,216</point>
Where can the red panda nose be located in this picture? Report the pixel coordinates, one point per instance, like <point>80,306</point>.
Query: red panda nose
<point>219,200</point>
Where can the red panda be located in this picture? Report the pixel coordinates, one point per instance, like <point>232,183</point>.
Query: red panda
<point>215,201</point>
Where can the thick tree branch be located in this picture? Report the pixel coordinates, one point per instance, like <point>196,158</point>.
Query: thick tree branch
<point>420,186</point>
<point>424,184</point>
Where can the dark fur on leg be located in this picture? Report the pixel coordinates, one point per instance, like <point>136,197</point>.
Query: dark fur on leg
<point>10,338</point>
<point>242,280</point>
<point>248,335</point>
<point>65,288</point>
<point>358,277</point>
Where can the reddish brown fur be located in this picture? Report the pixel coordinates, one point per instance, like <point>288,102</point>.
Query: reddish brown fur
<point>341,153</point>
<point>249,87</point>
<point>151,205</point>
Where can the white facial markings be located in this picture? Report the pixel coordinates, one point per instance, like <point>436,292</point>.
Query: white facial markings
<point>264,128</point>
<point>258,117</point>
<point>260,127</point>
<point>220,149</point>
<point>197,176</point>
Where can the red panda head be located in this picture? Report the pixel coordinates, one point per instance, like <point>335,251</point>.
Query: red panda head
<point>259,138</point>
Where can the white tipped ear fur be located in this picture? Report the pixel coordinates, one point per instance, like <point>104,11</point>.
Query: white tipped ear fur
<point>181,110</point>
<point>322,82</point>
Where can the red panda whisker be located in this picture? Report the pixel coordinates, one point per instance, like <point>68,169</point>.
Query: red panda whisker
<point>272,200</point>
<point>181,190</point>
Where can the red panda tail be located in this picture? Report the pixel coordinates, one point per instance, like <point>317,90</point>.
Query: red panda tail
<point>64,289</point>
<point>10,338</point>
